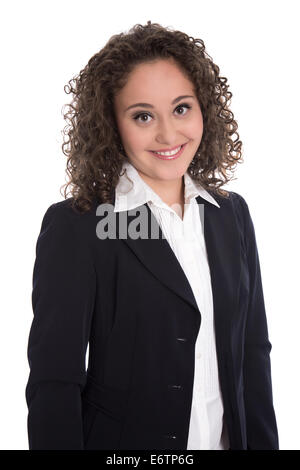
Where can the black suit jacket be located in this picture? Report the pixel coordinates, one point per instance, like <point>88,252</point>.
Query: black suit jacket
<point>132,303</point>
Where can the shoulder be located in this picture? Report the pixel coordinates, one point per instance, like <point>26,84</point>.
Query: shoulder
<point>62,219</point>
<point>237,205</point>
<point>241,208</point>
<point>233,202</point>
<point>64,241</point>
<point>243,219</point>
<point>66,210</point>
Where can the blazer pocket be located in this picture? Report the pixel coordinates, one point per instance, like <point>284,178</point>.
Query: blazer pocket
<point>103,415</point>
<point>89,414</point>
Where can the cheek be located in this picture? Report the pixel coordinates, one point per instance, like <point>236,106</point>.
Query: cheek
<point>133,137</point>
<point>126,131</point>
<point>195,127</point>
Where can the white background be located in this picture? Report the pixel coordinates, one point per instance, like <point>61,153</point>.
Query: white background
<point>256,46</point>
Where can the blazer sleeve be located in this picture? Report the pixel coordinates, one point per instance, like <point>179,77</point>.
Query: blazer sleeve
<point>62,300</point>
<point>262,433</point>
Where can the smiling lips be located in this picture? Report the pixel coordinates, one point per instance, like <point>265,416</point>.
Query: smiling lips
<point>170,155</point>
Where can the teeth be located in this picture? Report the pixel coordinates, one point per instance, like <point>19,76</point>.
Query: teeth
<point>170,153</point>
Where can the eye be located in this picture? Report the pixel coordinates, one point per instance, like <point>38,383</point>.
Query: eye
<point>183,105</point>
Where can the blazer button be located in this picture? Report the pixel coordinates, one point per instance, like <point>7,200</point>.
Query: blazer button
<point>181,339</point>
<point>170,436</point>
<point>175,387</point>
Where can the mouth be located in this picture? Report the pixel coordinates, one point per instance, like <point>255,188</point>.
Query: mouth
<point>169,155</point>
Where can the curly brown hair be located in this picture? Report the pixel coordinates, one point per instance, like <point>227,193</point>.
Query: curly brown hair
<point>94,149</point>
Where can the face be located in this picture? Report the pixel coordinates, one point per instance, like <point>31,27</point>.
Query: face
<point>164,121</point>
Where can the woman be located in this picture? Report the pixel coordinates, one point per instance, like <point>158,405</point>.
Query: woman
<point>151,264</point>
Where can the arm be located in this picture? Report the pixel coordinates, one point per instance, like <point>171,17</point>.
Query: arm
<point>62,300</point>
<point>262,431</point>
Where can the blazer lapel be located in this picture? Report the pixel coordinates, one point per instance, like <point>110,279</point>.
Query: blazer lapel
<point>159,258</point>
<point>223,252</point>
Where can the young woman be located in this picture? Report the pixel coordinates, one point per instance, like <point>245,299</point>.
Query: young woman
<point>150,264</point>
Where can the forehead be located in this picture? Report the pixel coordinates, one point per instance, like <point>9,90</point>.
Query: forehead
<point>157,79</point>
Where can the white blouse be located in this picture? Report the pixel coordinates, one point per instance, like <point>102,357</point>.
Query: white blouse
<point>207,427</point>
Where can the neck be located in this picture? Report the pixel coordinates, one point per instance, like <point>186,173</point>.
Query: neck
<point>171,192</point>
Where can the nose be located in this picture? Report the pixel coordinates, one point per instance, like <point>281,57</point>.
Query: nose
<point>167,132</point>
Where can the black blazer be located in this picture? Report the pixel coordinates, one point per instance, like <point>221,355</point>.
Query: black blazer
<point>132,303</point>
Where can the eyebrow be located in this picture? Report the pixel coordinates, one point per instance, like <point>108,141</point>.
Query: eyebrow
<point>147,105</point>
